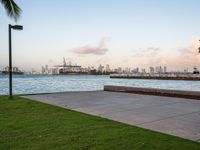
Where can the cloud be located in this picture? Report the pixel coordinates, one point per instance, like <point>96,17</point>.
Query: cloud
<point>175,59</point>
<point>100,49</point>
<point>150,51</point>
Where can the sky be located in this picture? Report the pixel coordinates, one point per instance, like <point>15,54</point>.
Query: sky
<point>122,33</point>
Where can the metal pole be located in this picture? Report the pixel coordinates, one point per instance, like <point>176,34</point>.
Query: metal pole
<point>10,61</point>
<point>199,47</point>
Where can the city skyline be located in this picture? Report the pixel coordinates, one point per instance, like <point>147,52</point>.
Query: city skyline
<point>104,32</point>
<point>46,69</point>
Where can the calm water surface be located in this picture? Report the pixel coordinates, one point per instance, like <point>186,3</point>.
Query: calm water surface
<point>25,84</point>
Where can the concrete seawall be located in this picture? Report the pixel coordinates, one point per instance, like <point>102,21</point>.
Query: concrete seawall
<point>156,77</point>
<point>154,91</point>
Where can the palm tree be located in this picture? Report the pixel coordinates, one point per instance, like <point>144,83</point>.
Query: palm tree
<point>12,9</point>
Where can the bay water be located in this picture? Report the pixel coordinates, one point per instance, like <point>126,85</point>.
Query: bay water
<point>30,84</point>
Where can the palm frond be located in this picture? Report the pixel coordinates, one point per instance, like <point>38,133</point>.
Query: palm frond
<point>12,9</point>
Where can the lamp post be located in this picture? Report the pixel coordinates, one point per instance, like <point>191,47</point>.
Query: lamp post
<point>199,47</point>
<point>10,27</point>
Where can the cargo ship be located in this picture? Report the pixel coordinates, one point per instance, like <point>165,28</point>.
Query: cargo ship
<point>69,69</point>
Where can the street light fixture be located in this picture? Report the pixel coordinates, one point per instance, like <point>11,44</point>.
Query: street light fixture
<point>17,27</point>
<point>14,27</point>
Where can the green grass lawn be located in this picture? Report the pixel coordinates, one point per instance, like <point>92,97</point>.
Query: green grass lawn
<point>26,124</point>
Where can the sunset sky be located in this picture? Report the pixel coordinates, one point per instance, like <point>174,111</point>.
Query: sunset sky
<point>126,33</point>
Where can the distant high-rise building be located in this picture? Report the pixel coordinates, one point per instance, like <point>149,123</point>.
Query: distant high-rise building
<point>100,68</point>
<point>143,70</point>
<point>6,68</point>
<point>107,68</point>
<point>64,62</point>
<point>15,69</point>
<point>165,69</point>
<point>43,70</point>
<point>135,70</point>
<point>159,69</point>
<point>46,68</point>
<point>53,71</point>
<point>127,70</point>
<point>118,70</point>
<point>151,69</point>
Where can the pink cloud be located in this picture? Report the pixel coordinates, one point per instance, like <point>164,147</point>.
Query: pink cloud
<point>100,49</point>
<point>183,58</point>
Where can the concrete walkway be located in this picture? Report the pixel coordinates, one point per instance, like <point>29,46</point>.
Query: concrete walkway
<point>175,116</point>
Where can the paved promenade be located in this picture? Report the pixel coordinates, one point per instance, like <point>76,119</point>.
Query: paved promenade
<point>175,116</point>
